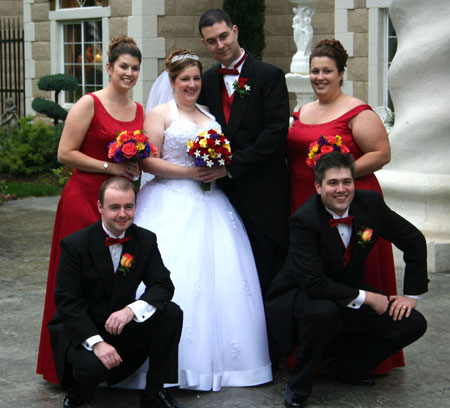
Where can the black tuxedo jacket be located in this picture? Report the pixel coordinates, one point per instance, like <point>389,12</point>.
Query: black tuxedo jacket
<point>257,130</point>
<point>87,291</point>
<point>314,264</point>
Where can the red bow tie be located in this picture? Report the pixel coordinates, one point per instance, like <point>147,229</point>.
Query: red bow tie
<point>232,71</point>
<point>336,221</point>
<point>227,71</point>
<point>112,241</point>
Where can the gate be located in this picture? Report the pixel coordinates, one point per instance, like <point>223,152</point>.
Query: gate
<point>12,64</point>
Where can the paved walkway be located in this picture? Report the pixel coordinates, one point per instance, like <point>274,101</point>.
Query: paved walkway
<point>25,235</point>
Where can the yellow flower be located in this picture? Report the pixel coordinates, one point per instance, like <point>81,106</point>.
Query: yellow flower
<point>190,143</point>
<point>212,153</point>
<point>315,148</point>
<point>227,146</point>
<point>338,140</point>
<point>140,146</point>
<point>203,143</point>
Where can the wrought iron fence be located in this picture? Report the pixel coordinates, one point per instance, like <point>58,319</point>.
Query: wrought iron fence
<point>12,64</point>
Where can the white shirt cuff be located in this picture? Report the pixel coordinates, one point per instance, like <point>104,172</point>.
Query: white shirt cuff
<point>91,342</point>
<point>414,296</point>
<point>358,301</point>
<point>142,310</point>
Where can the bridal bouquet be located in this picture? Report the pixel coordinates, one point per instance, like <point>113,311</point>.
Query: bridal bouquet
<point>130,145</point>
<point>209,148</point>
<point>324,145</point>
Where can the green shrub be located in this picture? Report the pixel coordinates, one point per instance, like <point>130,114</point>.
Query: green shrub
<point>49,108</point>
<point>248,15</point>
<point>3,191</point>
<point>29,148</point>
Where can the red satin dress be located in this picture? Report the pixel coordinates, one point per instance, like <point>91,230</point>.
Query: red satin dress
<point>379,266</point>
<point>77,208</point>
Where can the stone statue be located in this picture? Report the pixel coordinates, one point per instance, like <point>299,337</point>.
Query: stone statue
<point>303,34</point>
<point>9,117</point>
<point>303,31</point>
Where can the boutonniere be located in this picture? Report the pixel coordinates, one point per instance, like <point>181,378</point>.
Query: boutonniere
<point>126,264</point>
<point>365,236</point>
<point>241,87</point>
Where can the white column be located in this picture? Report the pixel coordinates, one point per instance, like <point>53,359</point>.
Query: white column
<point>143,27</point>
<point>416,183</point>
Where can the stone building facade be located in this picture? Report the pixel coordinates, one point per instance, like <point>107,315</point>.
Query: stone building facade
<point>162,25</point>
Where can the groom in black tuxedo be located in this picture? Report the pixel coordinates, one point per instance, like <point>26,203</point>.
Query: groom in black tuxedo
<point>319,300</point>
<point>100,332</point>
<point>254,116</point>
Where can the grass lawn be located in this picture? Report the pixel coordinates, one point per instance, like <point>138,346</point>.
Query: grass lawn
<point>33,186</point>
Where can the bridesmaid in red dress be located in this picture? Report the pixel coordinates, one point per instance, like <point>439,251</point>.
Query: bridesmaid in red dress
<point>335,113</point>
<point>91,125</point>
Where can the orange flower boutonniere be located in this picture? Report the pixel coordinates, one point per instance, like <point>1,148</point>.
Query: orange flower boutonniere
<point>126,264</point>
<point>365,237</point>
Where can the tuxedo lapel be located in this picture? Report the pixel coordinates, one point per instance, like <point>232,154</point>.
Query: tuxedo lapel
<point>102,257</point>
<point>333,243</point>
<point>215,99</point>
<point>240,105</point>
<point>121,282</point>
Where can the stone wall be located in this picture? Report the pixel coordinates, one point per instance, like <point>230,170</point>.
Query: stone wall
<point>178,27</point>
<point>11,8</point>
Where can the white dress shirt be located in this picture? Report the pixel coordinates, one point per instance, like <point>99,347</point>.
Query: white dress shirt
<point>230,79</point>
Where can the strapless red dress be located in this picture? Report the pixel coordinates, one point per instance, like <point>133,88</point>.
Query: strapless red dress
<point>77,208</point>
<point>379,267</point>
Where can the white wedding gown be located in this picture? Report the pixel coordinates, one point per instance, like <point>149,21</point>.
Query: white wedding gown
<point>204,245</point>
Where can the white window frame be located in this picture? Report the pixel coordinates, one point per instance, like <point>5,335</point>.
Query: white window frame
<point>74,15</point>
<point>378,52</point>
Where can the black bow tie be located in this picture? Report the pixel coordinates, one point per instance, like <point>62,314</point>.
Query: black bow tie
<point>112,241</point>
<point>336,221</point>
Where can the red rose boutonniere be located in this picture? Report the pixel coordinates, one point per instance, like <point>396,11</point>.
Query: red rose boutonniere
<point>241,87</point>
<point>365,237</point>
<point>126,264</point>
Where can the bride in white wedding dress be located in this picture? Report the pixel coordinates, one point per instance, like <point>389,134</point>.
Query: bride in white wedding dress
<point>204,244</point>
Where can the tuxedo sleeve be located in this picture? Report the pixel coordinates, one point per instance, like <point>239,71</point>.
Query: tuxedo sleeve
<point>159,287</point>
<point>70,303</point>
<point>309,266</point>
<point>412,243</point>
<point>272,137</point>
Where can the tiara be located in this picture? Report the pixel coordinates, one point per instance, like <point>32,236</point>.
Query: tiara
<point>184,56</point>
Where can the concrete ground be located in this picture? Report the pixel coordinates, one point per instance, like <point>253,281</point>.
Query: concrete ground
<point>25,235</point>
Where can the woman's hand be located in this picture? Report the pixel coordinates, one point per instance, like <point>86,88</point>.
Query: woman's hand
<point>209,174</point>
<point>126,169</point>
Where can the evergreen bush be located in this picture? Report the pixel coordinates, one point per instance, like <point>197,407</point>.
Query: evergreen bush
<point>249,16</point>
<point>29,148</point>
<point>56,83</point>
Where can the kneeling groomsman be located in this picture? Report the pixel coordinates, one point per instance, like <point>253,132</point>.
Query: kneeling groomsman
<point>319,301</point>
<point>100,332</point>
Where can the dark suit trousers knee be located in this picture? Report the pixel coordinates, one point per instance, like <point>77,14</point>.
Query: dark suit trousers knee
<point>357,339</point>
<point>156,338</point>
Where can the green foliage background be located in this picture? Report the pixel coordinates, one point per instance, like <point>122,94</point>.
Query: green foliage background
<point>248,15</point>
<point>29,149</point>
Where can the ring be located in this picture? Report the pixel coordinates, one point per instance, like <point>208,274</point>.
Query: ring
<point>403,307</point>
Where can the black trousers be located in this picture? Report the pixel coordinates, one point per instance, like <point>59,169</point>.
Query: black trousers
<point>156,338</point>
<point>356,339</point>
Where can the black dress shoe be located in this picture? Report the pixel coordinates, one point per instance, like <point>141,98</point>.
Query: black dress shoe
<point>160,399</point>
<point>292,400</point>
<point>71,401</point>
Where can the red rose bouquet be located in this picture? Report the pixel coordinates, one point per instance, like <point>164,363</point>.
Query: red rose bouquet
<point>130,145</point>
<point>324,145</point>
<point>209,148</point>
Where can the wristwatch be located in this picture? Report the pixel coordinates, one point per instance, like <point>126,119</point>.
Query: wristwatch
<point>106,166</point>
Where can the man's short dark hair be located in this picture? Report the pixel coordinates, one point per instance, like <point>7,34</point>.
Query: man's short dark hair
<point>119,183</point>
<point>212,17</point>
<point>333,160</point>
